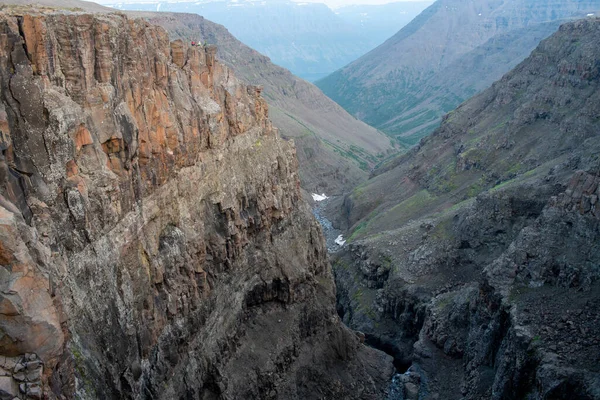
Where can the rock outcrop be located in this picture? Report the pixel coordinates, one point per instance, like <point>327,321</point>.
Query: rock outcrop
<point>474,258</point>
<point>335,150</point>
<point>154,243</point>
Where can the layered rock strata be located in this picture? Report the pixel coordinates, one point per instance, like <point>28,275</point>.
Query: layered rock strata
<point>154,243</point>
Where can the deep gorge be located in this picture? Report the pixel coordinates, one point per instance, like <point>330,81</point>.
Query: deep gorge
<point>473,257</point>
<point>156,241</point>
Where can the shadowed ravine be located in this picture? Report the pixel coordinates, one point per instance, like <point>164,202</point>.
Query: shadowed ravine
<point>395,390</point>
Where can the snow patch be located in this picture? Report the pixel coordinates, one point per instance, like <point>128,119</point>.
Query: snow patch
<point>340,240</point>
<point>158,7</point>
<point>590,14</point>
<point>319,197</point>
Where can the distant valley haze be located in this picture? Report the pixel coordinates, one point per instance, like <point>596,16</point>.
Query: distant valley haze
<point>450,52</point>
<point>311,39</point>
<point>333,4</point>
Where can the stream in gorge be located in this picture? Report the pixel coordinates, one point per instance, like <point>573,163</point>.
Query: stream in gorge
<point>405,382</point>
<point>333,237</point>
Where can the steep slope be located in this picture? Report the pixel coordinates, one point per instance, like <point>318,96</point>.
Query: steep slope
<point>475,255</point>
<point>154,243</point>
<point>335,150</point>
<point>405,85</point>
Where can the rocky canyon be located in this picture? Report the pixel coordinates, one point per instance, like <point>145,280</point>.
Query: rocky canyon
<point>474,258</point>
<point>154,243</point>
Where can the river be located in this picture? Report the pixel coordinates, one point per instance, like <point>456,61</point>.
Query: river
<point>402,382</point>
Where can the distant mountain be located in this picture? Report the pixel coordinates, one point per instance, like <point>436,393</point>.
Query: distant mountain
<point>451,51</point>
<point>309,39</point>
<point>380,21</point>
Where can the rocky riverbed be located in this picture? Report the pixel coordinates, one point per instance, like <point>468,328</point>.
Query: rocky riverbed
<point>404,384</point>
<point>333,237</point>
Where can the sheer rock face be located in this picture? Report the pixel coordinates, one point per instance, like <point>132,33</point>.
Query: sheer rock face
<point>154,243</point>
<point>334,149</point>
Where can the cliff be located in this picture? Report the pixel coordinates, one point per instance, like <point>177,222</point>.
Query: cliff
<point>154,243</point>
<point>335,150</point>
<point>474,257</point>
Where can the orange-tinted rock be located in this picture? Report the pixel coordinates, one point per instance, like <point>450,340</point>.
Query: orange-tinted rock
<point>178,53</point>
<point>160,209</point>
<point>34,33</point>
<point>113,145</point>
<point>72,169</point>
<point>211,54</point>
<point>30,321</point>
<point>82,137</point>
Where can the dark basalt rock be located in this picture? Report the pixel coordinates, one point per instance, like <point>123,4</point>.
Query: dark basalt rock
<point>489,236</point>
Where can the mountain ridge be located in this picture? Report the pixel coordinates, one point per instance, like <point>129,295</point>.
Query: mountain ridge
<point>402,82</point>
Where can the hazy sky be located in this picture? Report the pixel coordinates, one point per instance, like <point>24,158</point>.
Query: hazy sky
<point>339,3</point>
<point>330,3</point>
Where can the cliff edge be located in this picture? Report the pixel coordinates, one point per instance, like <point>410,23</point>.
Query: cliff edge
<point>154,243</point>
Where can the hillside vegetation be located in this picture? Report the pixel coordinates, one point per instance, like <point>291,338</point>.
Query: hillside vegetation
<point>451,51</point>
